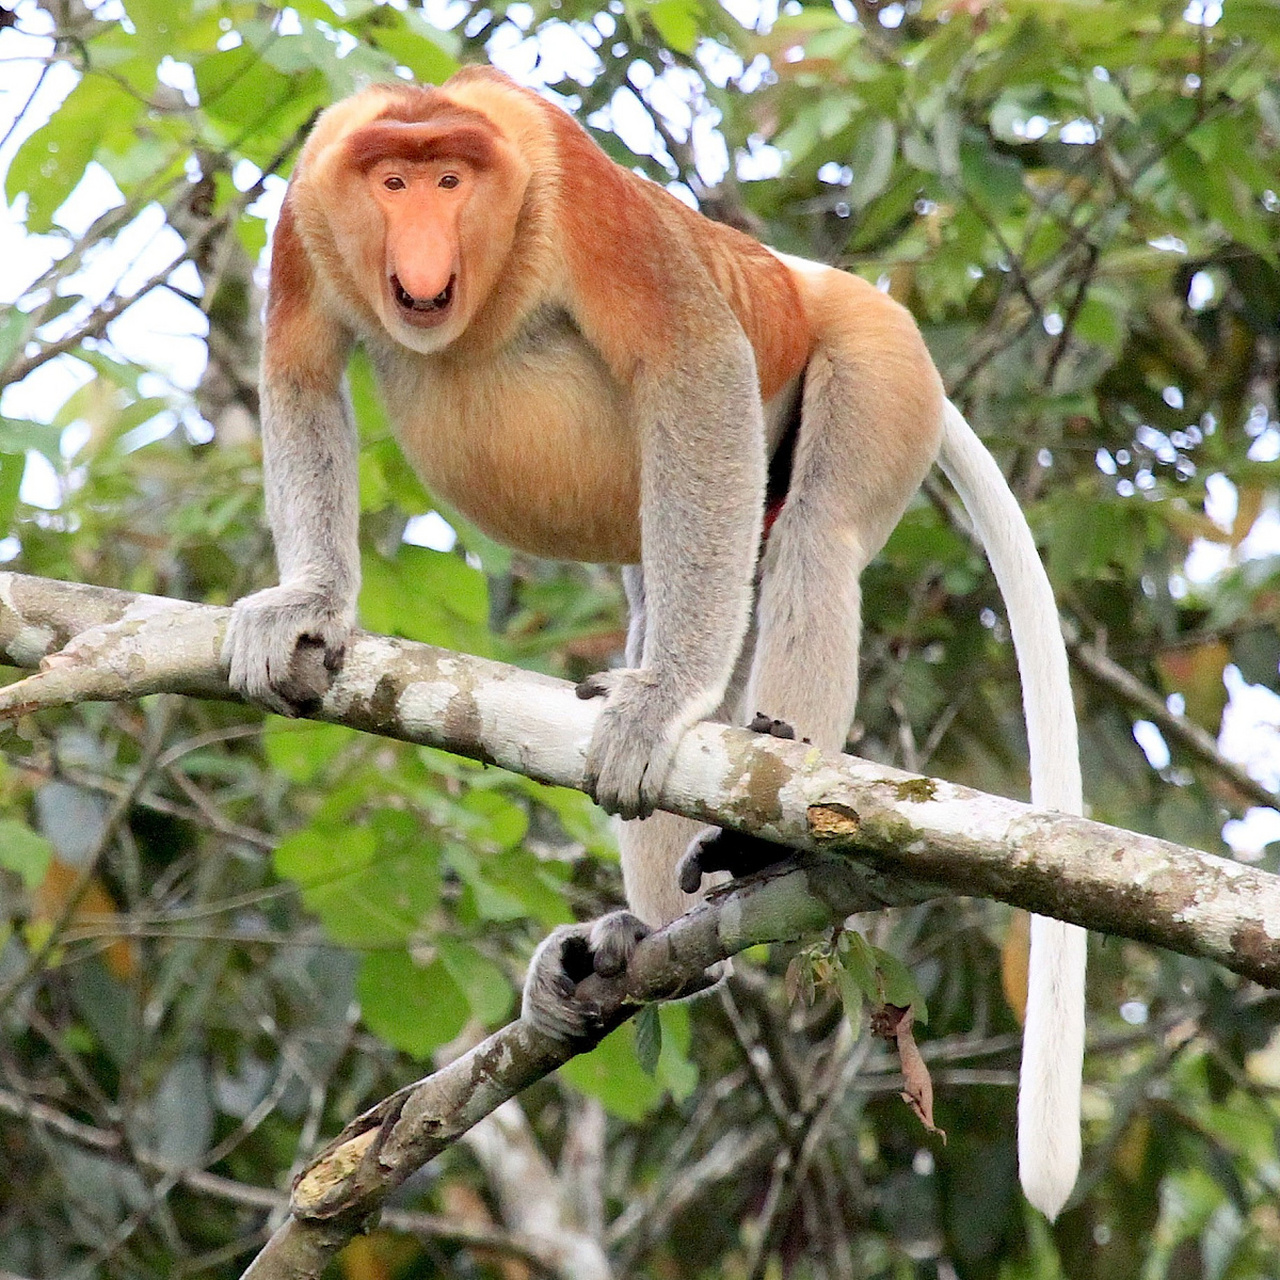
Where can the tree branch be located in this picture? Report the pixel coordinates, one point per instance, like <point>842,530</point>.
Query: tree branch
<point>870,836</point>
<point>900,836</point>
<point>1198,741</point>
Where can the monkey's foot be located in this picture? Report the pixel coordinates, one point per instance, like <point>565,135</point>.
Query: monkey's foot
<point>718,849</point>
<point>564,958</point>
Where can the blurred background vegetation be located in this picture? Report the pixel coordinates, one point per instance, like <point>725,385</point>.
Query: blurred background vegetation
<point>281,922</point>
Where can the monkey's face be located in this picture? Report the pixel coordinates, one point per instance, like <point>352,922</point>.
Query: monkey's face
<point>439,199</point>
<point>422,286</point>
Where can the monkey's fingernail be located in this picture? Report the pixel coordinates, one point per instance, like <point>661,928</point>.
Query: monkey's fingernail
<point>589,688</point>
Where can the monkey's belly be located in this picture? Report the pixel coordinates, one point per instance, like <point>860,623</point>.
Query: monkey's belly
<point>539,455</point>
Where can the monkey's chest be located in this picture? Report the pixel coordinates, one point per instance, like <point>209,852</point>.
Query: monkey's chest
<point>534,446</point>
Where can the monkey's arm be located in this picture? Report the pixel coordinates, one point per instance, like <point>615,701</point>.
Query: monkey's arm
<point>283,643</point>
<point>701,430</point>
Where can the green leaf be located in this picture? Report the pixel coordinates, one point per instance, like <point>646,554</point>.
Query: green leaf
<point>416,45</point>
<point>14,329</point>
<point>946,137</point>
<point>504,822</point>
<point>852,997</point>
<point>677,22</point>
<point>872,162</point>
<point>11,468</point>
<point>158,24</point>
<point>648,1039</point>
<point>491,902</point>
<point>898,985</point>
<point>483,983</point>
<point>320,855</point>
<point>52,160</point>
<point>238,86</point>
<point>676,1069</point>
<point>1257,653</point>
<point>431,596</point>
<point>1100,320</point>
<point>611,1072</point>
<point>24,851</point>
<point>248,100</point>
<point>301,749</point>
<point>371,886</point>
<point>834,114</point>
<point>538,887</point>
<point>993,180</point>
<point>414,1007</point>
<point>1256,20</point>
<point>1091,539</point>
<point>858,965</point>
<point>800,137</point>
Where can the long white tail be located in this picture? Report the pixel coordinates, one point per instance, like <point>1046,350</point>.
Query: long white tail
<point>1053,1036</point>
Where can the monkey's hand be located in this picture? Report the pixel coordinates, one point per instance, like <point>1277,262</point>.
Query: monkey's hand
<point>635,738</point>
<point>563,959</point>
<point>284,644</point>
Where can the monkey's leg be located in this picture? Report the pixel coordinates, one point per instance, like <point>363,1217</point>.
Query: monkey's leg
<point>805,673</point>
<point>650,848</point>
<point>856,465</point>
<point>653,847</point>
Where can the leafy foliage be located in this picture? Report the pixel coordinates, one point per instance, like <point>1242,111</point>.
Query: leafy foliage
<point>227,934</point>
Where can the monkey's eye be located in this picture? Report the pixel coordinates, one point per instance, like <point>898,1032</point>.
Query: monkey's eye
<point>394,183</point>
<point>449,181</point>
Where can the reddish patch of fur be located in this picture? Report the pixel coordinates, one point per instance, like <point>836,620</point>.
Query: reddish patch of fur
<point>304,345</point>
<point>450,134</point>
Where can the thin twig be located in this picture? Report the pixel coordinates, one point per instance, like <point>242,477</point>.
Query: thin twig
<point>1198,741</point>
<point>115,815</point>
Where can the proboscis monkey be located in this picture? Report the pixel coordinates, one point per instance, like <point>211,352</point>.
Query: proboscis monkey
<point>590,370</point>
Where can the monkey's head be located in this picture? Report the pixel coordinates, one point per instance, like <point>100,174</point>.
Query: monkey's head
<point>433,187</point>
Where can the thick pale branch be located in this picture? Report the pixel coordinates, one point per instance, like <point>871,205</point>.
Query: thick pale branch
<point>912,836</point>
<point>869,836</point>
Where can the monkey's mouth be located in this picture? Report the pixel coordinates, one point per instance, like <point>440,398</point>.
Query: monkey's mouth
<point>423,311</point>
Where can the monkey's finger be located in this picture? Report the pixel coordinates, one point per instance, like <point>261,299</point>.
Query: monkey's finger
<point>595,686</point>
<point>613,940</point>
<point>722,850</point>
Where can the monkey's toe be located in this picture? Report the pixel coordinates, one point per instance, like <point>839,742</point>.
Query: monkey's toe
<point>719,849</point>
<point>566,957</point>
<point>550,1003</point>
<point>761,723</point>
<point>596,686</point>
<point>311,672</point>
<point>614,939</point>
